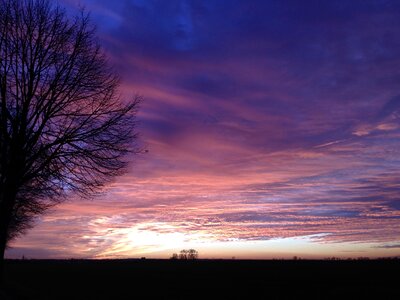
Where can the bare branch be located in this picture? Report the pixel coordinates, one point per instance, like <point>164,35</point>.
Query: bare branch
<point>64,128</point>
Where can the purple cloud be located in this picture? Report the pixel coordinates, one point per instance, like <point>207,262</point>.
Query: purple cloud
<point>263,120</point>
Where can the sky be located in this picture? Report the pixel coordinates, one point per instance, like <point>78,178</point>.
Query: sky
<point>272,130</point>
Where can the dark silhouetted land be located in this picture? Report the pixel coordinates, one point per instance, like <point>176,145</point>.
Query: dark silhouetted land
<point>201,279</point>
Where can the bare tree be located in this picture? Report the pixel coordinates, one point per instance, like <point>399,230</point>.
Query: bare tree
<point>183,254</point>
<point>192,254</point>
<point>63,127</point>
<point>188,254</point>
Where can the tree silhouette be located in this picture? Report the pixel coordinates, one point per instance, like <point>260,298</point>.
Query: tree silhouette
<point>187,254</point>
<point>63,127</point>
<point>192,254</point>
<point>183,254</point>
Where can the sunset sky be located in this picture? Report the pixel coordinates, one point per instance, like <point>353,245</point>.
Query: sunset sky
<point>272,129</point>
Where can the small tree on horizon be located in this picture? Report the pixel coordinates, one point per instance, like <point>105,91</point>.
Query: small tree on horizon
<point>183,254</point>
<point>63,127</point>
<point>190,254</point>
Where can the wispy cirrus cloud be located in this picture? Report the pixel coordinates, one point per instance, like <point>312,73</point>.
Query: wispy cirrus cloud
<point>263,120</point>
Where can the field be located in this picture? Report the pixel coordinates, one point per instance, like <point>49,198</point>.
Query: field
<point>201,279</point>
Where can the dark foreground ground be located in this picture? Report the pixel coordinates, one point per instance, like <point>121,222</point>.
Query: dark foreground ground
<point>201,279</point>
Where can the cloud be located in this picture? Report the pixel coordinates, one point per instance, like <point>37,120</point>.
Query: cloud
<point>263,120</point>
<point>389,246</point>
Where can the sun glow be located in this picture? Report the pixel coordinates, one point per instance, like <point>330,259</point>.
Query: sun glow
<point>148,238</point>
<point>141,237</point>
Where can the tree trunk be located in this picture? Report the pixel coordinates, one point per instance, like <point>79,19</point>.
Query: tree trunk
<point>7,200</point>
<point>3,242</point>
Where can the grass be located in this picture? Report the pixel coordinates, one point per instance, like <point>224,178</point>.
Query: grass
<point>201,279</point>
